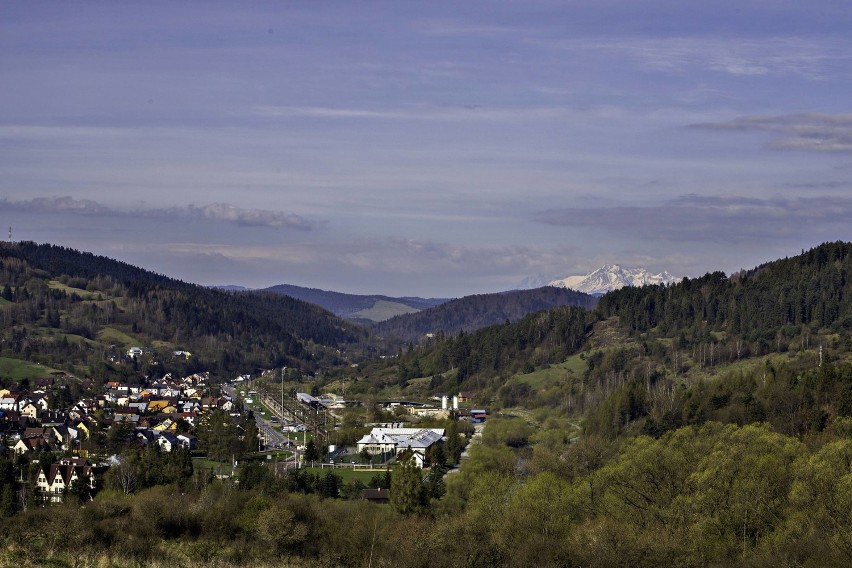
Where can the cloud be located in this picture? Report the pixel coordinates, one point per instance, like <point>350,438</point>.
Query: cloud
<point>56,205</point>
<point>217,212</point>
<point>732,220</point>
<point>248,217</point>
<point>405,265</point>
<point>811,59</point>
<point>453,28</point>
<point>809,132</point>
<point>452,113</point>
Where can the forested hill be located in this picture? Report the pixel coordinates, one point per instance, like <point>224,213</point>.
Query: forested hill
<point>767,303</point>
<point>355,305</point>
<point>55,296</point>
<point>475,312</point>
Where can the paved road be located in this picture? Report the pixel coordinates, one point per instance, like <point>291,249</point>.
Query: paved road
<point>270,431</point>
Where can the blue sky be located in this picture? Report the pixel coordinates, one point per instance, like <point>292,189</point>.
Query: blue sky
<point>426,148</point>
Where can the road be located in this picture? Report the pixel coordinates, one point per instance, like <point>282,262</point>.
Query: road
<point>270,432</point>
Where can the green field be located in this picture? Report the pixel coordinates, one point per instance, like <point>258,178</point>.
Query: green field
<point>383,310</point>
<point>347,473</point>
<point>571,367</point>
<point>85,294</point>
<point>54,335</point>
<point>205,464</point>
<point>17,369</point>
<point>112,336</point>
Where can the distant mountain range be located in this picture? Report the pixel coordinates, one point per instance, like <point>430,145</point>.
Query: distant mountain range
<point>613,277</point>
<point>480,310</point>
<point>372,308</point>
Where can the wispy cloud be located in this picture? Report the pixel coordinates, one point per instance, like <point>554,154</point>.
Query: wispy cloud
<point>245,217</point>
<point>806,58</point>
<point>57,205</point>
<point>696,218</point>
<point>452,28</point>
<point>216,212</point>
<point>396,259</point>
<point>462,111</point>
<point>810,132</point>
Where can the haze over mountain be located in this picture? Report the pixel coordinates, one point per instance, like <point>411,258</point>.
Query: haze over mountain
<point>613,277</point>
<point>373,308</point>
<point>481,310</point>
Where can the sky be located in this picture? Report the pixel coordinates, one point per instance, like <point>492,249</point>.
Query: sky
<point>426,148</point>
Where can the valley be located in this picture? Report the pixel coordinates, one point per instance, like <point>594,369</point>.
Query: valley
<point>617,408</point>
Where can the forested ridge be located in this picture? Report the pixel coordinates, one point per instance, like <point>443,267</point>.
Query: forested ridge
<point>813,288</point>
<point>85,299</point>
<point>480,310</point>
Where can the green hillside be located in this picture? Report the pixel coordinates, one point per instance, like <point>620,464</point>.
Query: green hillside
<point>383,310</point>
<point>109,306</point>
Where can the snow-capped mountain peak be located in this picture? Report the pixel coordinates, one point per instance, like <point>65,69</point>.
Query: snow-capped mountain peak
<point>612,277</point>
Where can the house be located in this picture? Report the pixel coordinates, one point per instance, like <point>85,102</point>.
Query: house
<point>478,416</point>
<point>465,396</point>
<point>167,424</point>
<point>168,441</point>
<point>393,440</point>
<point>157,405</point>
<point>31,410</point>
<point>10,401</point>
<point>189,417</point>
<point>11,430</point>
<point>54,480</point>
<point>41,400</point>
<point>146,436</point>
<point>32,444</point>
<point>188,441</point>
<point>39,432</point>
<point>84,429</point>
<point>66,435</point>
<point>134,352</point>
<point>375,495</point>
<point>131,417</point>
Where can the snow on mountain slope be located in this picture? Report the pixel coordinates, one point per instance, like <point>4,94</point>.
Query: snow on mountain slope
<point>613,277</point>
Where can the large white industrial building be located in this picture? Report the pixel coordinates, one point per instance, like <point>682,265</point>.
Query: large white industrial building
<point>394,440</point>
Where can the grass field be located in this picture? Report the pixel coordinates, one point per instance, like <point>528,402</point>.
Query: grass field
<point>162,345</point>
<point>571,367</point>
<point>17,369</point>
<point>112,336</point>
<point>348,474</point>
<point>85,294</point>
<point>204,463</point>
<point>51,334</point>
<point>383,310</point>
